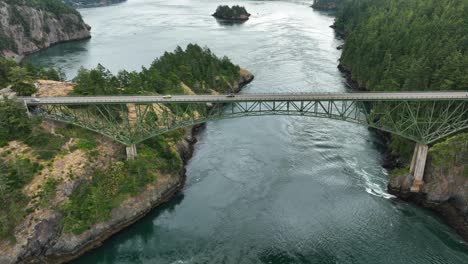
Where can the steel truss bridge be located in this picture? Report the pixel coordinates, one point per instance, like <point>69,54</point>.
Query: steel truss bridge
<point>423,117</point>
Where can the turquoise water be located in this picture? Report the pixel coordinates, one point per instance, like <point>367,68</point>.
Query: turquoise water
<point>261,189</point>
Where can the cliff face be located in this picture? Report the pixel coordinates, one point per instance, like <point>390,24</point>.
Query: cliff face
<point>445,188</point>
<point>26,29</point>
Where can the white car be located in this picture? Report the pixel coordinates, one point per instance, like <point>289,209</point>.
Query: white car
<point>35,100</point>
<point>167,96</point>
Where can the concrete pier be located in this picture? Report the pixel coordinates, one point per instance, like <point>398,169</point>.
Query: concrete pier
<point>131,152</point>
<point>418,163</point>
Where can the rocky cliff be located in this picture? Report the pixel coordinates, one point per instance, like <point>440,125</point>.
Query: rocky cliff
<point>445,188</point>
<point>27,27</point>
<point>40,238</point>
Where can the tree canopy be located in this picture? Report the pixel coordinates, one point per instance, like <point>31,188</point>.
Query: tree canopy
<point>234,12</point>
<point>21,77</point>
<point>403,45</point>
<point>196,67</point>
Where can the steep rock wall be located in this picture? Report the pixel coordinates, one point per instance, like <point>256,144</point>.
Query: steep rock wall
<point>27,29</point>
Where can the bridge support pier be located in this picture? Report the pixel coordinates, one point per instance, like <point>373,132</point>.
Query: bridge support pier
<point>418,163</point>
<point>131,152</point>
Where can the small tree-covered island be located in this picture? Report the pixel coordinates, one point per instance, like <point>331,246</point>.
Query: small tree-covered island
<point>231,13</point>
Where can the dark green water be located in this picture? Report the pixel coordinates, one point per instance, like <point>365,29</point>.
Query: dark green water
<point>261,189</point>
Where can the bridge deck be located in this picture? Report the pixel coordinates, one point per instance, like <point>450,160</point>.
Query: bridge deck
<point>359,96</point>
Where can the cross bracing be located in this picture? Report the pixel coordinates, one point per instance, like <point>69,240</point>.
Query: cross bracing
<point>424,117</point>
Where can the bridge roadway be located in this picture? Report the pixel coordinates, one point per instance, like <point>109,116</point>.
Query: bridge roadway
<point>266,97</point>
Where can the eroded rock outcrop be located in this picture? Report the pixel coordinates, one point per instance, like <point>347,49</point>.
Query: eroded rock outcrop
<point>28,28</point>
<point>445,188</point>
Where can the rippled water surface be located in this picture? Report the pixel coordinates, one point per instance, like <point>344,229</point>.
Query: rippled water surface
<point>261,189</point>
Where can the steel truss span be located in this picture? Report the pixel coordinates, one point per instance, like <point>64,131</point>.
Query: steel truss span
<point>421,117</point>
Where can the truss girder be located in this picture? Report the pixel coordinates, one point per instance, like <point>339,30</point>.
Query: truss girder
<point>420,121</point>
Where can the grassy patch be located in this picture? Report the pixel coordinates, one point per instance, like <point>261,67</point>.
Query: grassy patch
<point>47,193</point>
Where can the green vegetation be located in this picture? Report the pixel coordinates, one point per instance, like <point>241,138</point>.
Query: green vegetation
<point>399,172</point>
<point>405,45</point>
<point>94,200</point>
<point>47,193</point>
<point>14,124</point>
<point>197,67</point>
<point>327,4</point>
<point>21,77</point>
<point>235,12</point>
<point>451,153</point>
<point>56,7</point>
<point>14,175</point>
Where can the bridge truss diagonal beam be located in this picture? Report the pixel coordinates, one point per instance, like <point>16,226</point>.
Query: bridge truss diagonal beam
<point>422,120</point>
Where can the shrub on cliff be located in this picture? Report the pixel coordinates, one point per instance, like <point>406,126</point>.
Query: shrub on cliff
<point>21,81</point>
<point>14,123</point>
<point>451,153</point>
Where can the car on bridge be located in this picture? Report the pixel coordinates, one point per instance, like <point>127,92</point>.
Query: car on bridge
<point>167,96</point>
<point>230,95</point>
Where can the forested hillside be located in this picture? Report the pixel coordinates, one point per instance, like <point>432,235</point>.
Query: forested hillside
<point>196,67</point>
<point>406,44</point>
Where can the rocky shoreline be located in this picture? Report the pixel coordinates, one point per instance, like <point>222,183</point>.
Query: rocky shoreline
<point>439,201</point>
<point>38,29</point>
<point>133,209</point>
